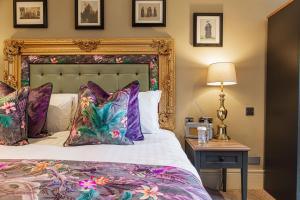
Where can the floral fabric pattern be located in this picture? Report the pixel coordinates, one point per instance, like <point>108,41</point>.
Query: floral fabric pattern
<point>35,179</point>
<point>151,60</point>
<point>100,122</point>
<point>37,107</point>
<point>13,127</point>
<point>134,131</point>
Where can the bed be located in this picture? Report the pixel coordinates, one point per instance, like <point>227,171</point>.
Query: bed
<point>155,168</point>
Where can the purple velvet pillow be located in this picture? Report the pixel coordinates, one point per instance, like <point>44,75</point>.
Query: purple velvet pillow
<point>134,131</point>
<point>37,109</point>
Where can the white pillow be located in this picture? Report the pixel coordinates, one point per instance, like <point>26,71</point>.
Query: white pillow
<point>60,112</point>
<point>148,105</point>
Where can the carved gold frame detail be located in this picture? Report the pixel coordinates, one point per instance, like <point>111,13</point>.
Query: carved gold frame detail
<point>163,47</point>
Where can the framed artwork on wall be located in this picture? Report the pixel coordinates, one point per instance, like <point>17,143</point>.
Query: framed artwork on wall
<point>30,13</point>
<point>89,14</point>
<point>149,13</point>
<point>208,30</point>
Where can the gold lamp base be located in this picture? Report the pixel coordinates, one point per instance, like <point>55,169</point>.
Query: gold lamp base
<point>222,114</point>
<point>222,133</point>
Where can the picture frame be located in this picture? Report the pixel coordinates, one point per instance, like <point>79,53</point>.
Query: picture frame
<point>30,13</point>
<point>89,14</point>
<point>208,30</point>
<point>149,13</point>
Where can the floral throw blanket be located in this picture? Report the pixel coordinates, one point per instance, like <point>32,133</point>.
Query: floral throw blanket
<point>36,179</point>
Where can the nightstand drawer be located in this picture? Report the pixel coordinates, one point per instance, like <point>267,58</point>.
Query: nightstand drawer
<point>221,159</point>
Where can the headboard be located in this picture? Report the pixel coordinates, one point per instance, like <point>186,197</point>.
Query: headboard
<point>112,63</point>
<point>67,78</point>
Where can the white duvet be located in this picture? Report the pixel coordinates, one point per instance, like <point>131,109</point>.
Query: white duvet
<point>161,148</point>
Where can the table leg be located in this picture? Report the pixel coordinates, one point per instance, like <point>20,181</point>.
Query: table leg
<point>244,176</point>
<point>224,179</point>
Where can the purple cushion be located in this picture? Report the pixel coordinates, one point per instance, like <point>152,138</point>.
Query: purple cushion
<point>134,131</point>
<point>38,103</point>
<point>100,122</point>
<point>37,109</point>
<point>13,127</point>
<point>100,94</point>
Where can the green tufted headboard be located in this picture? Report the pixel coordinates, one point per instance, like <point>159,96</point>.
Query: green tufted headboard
<point>67,78</point>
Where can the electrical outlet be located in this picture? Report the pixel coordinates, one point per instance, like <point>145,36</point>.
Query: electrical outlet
<point>249,111</point>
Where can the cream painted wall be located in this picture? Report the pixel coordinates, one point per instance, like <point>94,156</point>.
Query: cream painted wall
<point>244,44</point>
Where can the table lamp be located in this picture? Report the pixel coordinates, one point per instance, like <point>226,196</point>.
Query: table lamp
<point>221,74</point>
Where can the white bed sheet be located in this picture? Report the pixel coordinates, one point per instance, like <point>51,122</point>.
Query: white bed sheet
<point>161,148</point>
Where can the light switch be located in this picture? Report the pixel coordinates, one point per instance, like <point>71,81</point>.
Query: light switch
<point>249,111</point>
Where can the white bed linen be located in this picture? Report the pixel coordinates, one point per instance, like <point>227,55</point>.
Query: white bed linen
<point>157,149</point>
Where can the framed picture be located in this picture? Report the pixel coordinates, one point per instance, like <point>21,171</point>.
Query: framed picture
<point>30,14</point>
<point>149,13</point>
<point>89,14</point>
<point>208,29</point>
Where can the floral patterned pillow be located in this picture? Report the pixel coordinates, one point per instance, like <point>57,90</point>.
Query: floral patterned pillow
<point>134,131</point>
<point>13,127</point>
<point>37,107</point>
<point>100,122</point>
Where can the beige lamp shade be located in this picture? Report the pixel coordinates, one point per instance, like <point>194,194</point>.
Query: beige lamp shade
<point>221,73</point>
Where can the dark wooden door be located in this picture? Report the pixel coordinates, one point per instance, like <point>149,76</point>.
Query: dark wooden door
<point>282,104</point>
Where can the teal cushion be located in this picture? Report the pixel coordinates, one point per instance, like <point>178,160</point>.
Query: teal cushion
<point>100,122</point>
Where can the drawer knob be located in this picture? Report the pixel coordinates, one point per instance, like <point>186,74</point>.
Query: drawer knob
<point>222,159</point>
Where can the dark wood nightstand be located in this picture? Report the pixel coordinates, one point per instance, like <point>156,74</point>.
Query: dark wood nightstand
<point>218,154</point>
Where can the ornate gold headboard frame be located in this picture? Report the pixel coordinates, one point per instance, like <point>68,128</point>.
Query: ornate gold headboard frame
<point>163,47</point>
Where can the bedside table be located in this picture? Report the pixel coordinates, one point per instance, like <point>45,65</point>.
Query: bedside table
<point>218,154</point>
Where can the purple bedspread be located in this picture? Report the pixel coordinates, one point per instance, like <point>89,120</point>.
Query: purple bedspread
<point>36,179</point>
